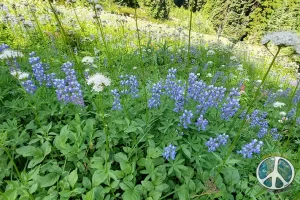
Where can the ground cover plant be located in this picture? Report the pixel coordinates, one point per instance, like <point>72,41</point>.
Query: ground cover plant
<point>96,105</point>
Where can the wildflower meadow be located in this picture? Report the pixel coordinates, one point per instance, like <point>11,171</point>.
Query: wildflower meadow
<point>99,105</point>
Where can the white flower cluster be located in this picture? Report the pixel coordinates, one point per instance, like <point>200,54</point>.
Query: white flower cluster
<point>283,39</point>
<point>98,81</point>
<point>8,53</point>
<point>19,74</point>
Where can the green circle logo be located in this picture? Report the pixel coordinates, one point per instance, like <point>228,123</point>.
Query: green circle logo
<point>275,173</point>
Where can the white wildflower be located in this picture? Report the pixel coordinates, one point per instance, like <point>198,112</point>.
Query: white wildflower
<point>240,68</point>
<point>88,60</point>
<point>98,81</point>
<point>134,68</point>
<point>278,104</point>
<point>258,81</point>
<point>198,74</point>
<point>210,63</point>
<point>282,113</point>
<point>19,74</point>
<point>233,58</point>
<point>8,53</point>
<point>280,121</point>
<point>280,90</point>
<point>209,75</point>
<point>282,39</point>
<point>210,53</point>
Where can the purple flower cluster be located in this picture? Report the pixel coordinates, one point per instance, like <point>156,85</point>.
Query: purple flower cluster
<point>169,152</point>
<point>131,85</point>
<point>210,97</point>
<point>186,118</point>
<point>280,93</point>
<point>231,106</point>
<point>214,143</point>
<point>29,86</point>
<point>250,148</point>
<point>68,90</point>
<point>258,119</point>
<point>201,123</point>
<point>276,136</point>
<point>3,47</point>
<point>116,103</point>
<point>174,89</point>
<point>157,91</point>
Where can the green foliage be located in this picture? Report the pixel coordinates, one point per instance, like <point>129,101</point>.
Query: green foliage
<point>129,3</point>
<point>160,9</point>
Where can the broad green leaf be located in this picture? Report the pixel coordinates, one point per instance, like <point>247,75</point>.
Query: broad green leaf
<point>10,194</point>
<point>115,184</point>
<point>125,167</point>
<point>90,195</point>
<point>65,193</point>
<point>86,183</point>
<point>99,177</point>
<point>183,193</point>
<point>73,177</point>
<point>147,185</point>
<point>48,180</point>
<point>231,175</point>
<point>186,151</point>
<point>46,148</point>
<point>121,157</point>
<point>161,187</point>
<point>27,151</point>
<point>154,152</point>
<point>131,195</point>
<point>126,185</point>
<point>155,194</point>
<point>35,161</point>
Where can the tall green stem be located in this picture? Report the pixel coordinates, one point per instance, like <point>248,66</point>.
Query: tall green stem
<point>141,60</point>
<point>65,38</point>
<point>237,137</point>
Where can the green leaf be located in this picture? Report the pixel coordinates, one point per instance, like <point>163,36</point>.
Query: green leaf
<point>183,193</point>
<point>46,148</point>
<point>147,185</point>
<point>121,157</point>
<point>186,151</point>
<point>99,177</point>
<point>35,161</point>
<point>73,177</point>
<point>231,175</point>
<point>154,152</point>
<point>115,184</point>
<point>86,183</point>
<point>131,195</point>
<point>48,180</point>
<point>27,151</point>
<point>155,194</point>
<point>161,187</point>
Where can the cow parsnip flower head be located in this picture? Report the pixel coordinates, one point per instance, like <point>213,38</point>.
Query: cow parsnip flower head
<point>98,81</point>
<point>282,39</point>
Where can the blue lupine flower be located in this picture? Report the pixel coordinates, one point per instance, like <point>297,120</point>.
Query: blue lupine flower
<point>29,86</point>
<point>298,121</point>
<point>214,143</point>
<point>217,75</point>
<point>186,119</point>
<point>291,113</point>
<point>3,47</point>
<point>262,132</point>
<point>296,98</point>
<point>68,90</point>
<point>39,72</point>
<point>157,91</point>
<point>257,118</point>
<point>201,123</point>
<point>250,148</point>
<point>231,106</point>
<point>169,152</point>
<point>49,79</point>
<point>175,89</point>
<point>131,82</point>
<point>116,103</point>
<point>276,136</point>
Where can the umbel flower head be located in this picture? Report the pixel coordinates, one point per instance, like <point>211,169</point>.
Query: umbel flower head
<point>98,81</point>
<point>283,39</point>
